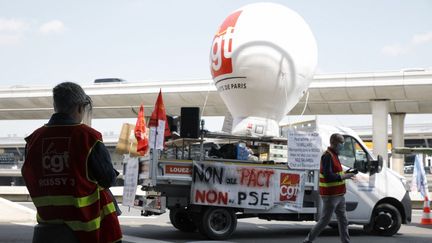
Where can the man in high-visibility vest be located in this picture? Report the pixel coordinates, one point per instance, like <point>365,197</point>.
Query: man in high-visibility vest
<point>332,190</point>
<point>68,171</point>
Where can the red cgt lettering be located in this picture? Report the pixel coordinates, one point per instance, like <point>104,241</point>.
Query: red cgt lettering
<point>222,46</point>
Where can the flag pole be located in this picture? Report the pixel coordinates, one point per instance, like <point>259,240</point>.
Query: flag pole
<point>154,151</point>
<point>157,120</point>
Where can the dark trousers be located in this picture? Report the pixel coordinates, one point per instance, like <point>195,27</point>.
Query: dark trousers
<point>331,204</point>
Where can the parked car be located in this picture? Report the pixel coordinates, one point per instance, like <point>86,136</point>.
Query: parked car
<point>409,169</point>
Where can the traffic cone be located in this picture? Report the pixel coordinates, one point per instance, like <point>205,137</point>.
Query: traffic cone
<point>427,215</point>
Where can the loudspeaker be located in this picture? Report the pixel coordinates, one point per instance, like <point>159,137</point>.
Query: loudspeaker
<point>173,123</point>
<point>189,122</point>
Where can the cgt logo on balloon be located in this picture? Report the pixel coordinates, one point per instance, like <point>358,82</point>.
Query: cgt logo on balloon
<point>222,46</point>
<point>289,187</point>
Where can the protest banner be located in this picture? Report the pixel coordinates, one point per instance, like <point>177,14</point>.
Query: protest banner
<point>130,180</point>
<point>304,150</point>
<point>219,184</point>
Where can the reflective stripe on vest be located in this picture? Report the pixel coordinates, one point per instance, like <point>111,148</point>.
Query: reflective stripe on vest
<point>78,202</point>
<point>330,184</point>
<point>82,226</point>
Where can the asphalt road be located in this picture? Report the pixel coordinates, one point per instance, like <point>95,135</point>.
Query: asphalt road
<point>158,229</point>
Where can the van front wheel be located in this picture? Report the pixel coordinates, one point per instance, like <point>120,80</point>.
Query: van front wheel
<point>386,220</point>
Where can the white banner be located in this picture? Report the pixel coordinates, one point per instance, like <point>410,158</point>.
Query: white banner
<point>219,184</point>
<point>304,150</point>
<point>130,180</point>
<point>156,137</point>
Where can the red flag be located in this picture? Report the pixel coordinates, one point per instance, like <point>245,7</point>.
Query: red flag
<point>158,121</point>
<point>141,133</point>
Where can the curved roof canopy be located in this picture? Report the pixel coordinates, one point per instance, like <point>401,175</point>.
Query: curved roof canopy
<point>408,91</point>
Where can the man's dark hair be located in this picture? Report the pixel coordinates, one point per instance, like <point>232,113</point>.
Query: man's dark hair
<point>336,138</point>
<point>67,96</point>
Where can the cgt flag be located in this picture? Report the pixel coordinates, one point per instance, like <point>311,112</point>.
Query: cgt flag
<point>158,124</point>
<point>141,133</point>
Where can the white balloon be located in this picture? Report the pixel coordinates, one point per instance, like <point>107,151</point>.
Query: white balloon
<point>262,60</point>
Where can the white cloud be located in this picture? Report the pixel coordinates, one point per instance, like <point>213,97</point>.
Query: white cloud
<point>54,26</point>
<point>421,38</point>
<point>394,50</point>
<point>9,39</point>
<point>12,25</point>
<point>11,31</point>
<point>402,49</point>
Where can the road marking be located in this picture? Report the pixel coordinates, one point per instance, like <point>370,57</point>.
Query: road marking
<point>134,239</point>
<point>24,224</point>
<point>17,206</point>
<point>137,217</point>
<point>262,227</point>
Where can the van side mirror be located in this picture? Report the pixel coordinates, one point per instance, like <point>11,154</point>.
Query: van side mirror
<point>375,166</point>
<point>361,166</point>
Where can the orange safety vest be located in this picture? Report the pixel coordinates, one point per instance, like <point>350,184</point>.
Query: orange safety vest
<point>336,187</point>
<point>56,175</point>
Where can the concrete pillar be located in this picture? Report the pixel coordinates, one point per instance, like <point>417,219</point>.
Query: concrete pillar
<point>398,121</point>
<point>380,110</point>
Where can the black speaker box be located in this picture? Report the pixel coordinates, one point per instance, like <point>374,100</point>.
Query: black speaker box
<point>189,122</point>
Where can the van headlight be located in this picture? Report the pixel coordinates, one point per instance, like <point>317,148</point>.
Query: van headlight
<point>405,184</point>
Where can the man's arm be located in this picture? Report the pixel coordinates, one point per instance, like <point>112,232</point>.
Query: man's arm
<point>329,175</point>
<point>100,166</point>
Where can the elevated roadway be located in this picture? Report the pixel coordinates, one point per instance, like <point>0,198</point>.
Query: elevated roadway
<point>406,91</point>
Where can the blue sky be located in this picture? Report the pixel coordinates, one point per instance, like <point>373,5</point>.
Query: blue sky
<point>46,42</point>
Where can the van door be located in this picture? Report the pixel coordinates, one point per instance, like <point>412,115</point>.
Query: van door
<point>360,197</point>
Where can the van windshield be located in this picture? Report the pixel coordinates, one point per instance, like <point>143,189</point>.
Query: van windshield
<point>352,154</point>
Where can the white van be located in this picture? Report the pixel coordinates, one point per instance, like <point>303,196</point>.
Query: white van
<point>210,195</point>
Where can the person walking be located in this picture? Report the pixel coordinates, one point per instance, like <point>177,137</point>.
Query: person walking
<point>332,189</point>
<point>68,170</point>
